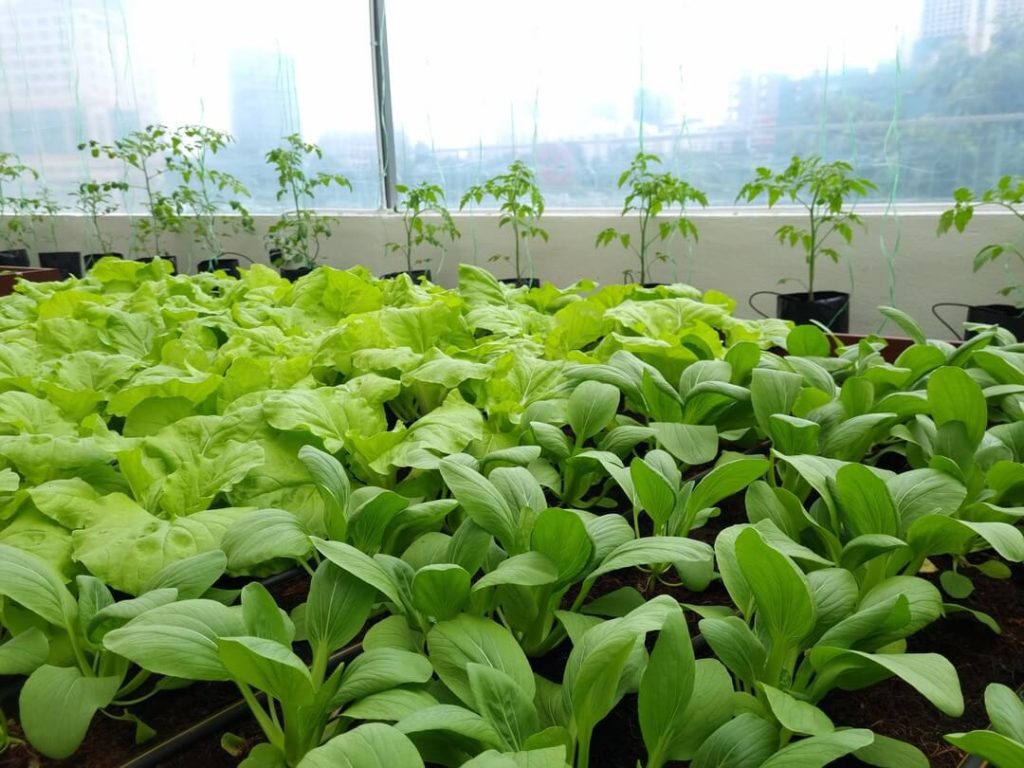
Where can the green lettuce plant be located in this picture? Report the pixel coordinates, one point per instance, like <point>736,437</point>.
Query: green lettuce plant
<point>296,235</point>
<point>424,198</point>
<point>824,191</point>
<point>651,195</point>
<point>1007,194</point>
<point>520,205</point>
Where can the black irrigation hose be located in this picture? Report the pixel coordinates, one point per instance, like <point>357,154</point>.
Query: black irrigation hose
<point>207,727</point>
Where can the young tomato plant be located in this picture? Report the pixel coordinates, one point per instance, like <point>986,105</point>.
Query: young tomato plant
<point>823,190</point>
<point>424,198</point>
<point>204,192</point>
<point>147,151</point>
<point>296,235</point>
<point>650,195</point>
<point>96,199</point>
<point>1008,194</point>
<point>11,170</point>
<point>520,205</point>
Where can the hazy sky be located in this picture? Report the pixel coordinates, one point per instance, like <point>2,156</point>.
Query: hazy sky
<point>462,68</point>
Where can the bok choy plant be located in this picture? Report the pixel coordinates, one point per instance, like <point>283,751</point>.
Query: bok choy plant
<point>371,518</point>
<point>1004,743</point>
<point>59,640</point>
<point>531,556</point>
<point>800,635</point>
<point>303,705</point>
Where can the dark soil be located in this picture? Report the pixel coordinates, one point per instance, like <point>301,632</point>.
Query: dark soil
<point>980,656</point>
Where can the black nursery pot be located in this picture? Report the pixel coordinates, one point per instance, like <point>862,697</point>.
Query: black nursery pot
<point>14,257</point>
<point>68,262</point>
<point>1004,315</point>
<point>90,259</point>
<point>522,282</point>
<point>165,257</point>
<point>296,273</point>
<point>830,308</point>
<point>228,266</point>
<point>414,275</point>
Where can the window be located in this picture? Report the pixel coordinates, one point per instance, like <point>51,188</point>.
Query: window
<point>922,95</point>
<point>259,70</point>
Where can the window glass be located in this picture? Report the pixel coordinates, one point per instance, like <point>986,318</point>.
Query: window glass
<point>921,95</point>
<point>74,70</point>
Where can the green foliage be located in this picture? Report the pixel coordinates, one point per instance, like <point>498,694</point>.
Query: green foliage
<point>1004,743</point>
<point>146,151</point>
<point>297,233</point>
<point>71,673</point>
<point>1008,194</point>
<point>823,190</point>
<point>204,192</point>
<point>650,196</point>
<point>520,204</point>
<point>424,198</point>
<point>96,199</point>
<point>22,213</point>
<point>463,468</point>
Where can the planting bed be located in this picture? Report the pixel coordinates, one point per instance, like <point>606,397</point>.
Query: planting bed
<point>568,527</point>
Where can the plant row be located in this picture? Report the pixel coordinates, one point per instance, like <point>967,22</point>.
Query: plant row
<point>463,473</point>
<point>174,171</point>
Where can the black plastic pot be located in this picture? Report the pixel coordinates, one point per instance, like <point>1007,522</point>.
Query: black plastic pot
<point>68,262</point>
<point>414,275</point>
<point>830,308</point>
<point>522,282</point>
<point>165,257</point>
<point>228,266</point>
<point>14,257</point>
<point>295,273</point>
<point>1004,315</point>
<point>90,259</point>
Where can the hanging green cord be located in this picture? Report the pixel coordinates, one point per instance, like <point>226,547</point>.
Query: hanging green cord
<point>891,151</point>
<point>643,98</point>
<point>536,165</point>
<point>684,132</point>
<point>823,113</point>
<point>119,112</point>
<point>852,132</point>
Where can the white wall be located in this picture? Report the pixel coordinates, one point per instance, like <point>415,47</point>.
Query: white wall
<point>737,253</point>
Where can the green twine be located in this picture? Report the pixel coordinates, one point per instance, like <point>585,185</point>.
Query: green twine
<point>891,151</point>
